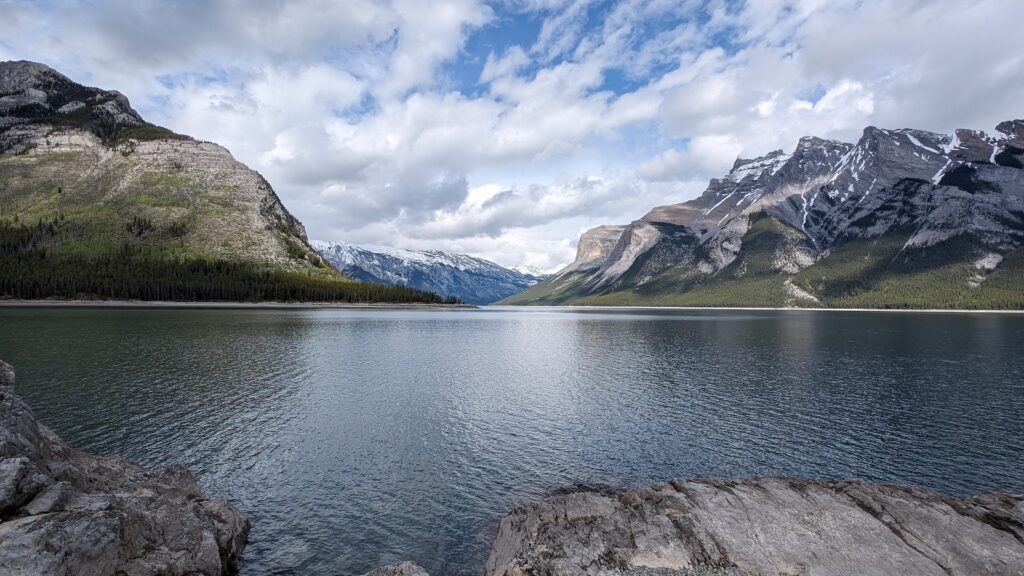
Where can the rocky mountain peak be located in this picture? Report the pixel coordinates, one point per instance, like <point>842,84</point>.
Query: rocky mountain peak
<point>57,137</point>
<point>1012,128</point>
<point>809,142</point>
<point>18,75</point>
<point>36,99</point>
<point>919,187</point>
<point>812,155</point>
<point>741,162</point>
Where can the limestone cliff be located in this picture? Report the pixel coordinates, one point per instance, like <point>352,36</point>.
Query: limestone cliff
<point>84,159</point>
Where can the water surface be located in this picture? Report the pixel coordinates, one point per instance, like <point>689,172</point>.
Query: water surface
<point>354,438</point>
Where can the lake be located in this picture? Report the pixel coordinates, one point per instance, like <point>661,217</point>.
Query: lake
<point>355,438</point>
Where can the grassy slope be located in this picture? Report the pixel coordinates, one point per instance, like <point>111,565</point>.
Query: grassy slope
<point>187,217</point>
<point>552,292</point>
<point>867,273</point>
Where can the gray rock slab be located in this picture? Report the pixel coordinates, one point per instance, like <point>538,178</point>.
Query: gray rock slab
<point>764,526</point>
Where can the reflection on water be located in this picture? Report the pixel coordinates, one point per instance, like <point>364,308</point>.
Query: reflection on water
<point>357,438</point>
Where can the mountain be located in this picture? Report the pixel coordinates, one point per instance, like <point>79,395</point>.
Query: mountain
<point>472,280</point>
<point>530,271</point>
<point>901,218</point>
<point>97,202</point>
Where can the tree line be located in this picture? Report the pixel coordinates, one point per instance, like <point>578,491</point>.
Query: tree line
<point>32,268</point>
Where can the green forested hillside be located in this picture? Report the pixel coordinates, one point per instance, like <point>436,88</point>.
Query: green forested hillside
<point>73,227</point>
<point>44,260</point>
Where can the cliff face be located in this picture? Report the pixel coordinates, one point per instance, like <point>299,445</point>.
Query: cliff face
<point>594,247</point>
<point>66,512</point>
<point>34,95</point>
<point>943,201</point>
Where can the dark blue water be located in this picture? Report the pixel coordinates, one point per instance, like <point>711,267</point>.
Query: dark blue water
<point>357,438</point>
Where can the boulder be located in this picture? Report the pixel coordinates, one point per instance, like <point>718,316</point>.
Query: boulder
<point>400,569</point>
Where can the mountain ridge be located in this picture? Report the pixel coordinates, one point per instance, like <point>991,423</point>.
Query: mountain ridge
<point>473,280</point>
<point>825,197</point>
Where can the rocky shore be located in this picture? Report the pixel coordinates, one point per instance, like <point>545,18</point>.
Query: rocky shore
<point>758,527</point>
<point>763,526</point>
<point>67,512</point>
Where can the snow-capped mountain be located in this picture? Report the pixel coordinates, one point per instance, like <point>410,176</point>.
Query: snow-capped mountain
<point>530,271</point>
<point>918,190</point>
<point>473,280</point>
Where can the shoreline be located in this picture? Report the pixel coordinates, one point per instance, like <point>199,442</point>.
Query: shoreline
<point>230,305</point>
<point>53,303</point>
<point>767,309</point>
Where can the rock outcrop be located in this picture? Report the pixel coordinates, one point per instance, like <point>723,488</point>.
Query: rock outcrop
<point>400,569</point>
<point>763,526</point>
<point>594,247</point>
<point>33,97</point>
<point>67,512</point>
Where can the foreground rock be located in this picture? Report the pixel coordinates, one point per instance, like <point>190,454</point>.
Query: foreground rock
<point>66,512</point>
<point>764,526</point>
<point>400,569</point>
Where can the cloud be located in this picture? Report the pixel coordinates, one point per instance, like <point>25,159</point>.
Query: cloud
<point>428,34</point>
<point>503,129</point>
<point>512,61</point>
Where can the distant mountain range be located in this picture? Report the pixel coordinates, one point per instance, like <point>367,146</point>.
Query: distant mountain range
<point>472,280</point>
<point>901,218</point>
<point>95,202</point>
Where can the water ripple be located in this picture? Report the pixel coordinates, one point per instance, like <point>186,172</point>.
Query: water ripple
<point>356,438</point>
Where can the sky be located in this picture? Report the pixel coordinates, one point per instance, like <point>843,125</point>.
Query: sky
<point>504,129</point>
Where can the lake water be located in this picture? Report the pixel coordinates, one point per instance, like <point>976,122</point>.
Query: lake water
<point>354,438</point>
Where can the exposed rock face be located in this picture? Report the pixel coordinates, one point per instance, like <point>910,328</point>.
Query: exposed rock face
<point>764,526</point>
<point>86,153</point>
<point>66,512</point>
<point>926,186</point>
<point>594,247</point>
<point>34,96</point>
<point>400,569</point>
